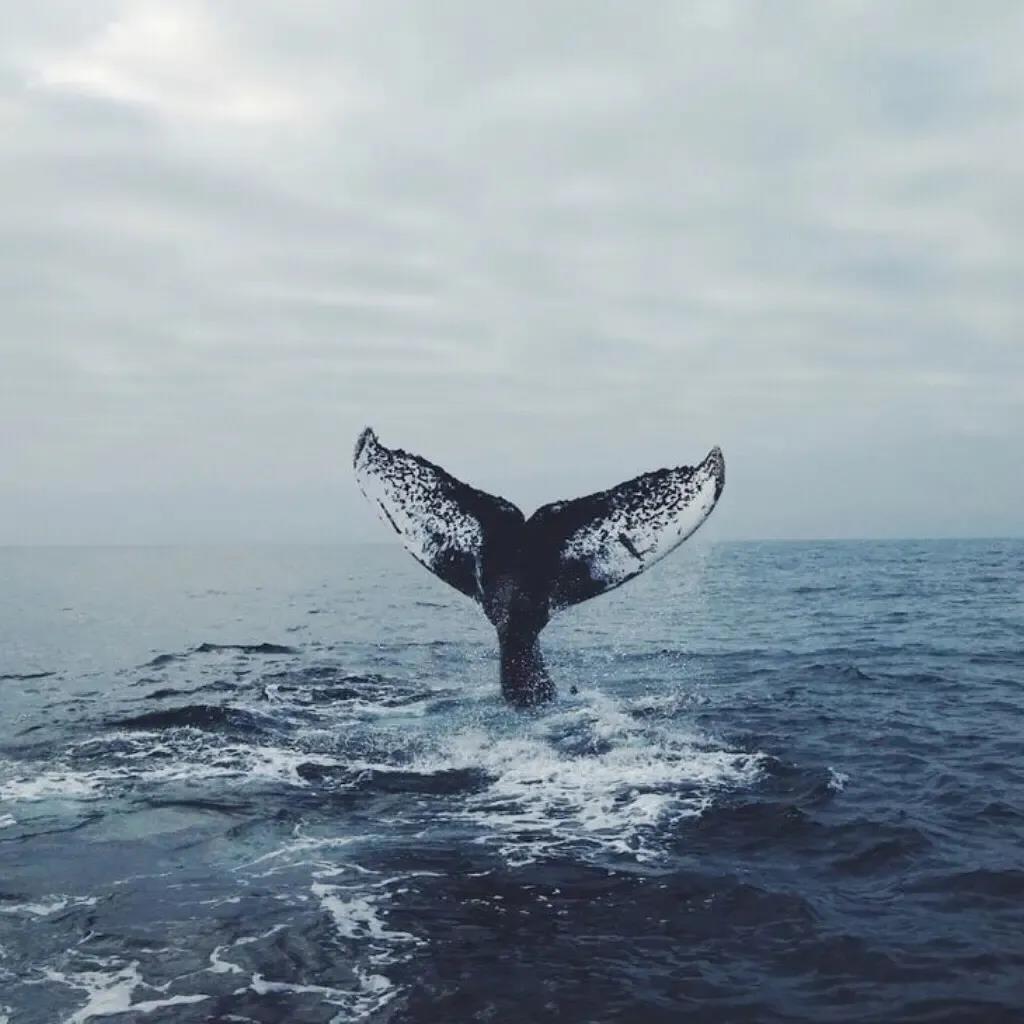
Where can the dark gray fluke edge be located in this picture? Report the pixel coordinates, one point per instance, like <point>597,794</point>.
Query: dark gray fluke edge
<point>522,571</point>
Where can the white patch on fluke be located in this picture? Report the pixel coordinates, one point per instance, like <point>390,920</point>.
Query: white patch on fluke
<point>412,496</point>
<point>646,519</point>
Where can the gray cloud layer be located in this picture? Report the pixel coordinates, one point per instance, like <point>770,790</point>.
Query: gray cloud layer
<point>549,245</point>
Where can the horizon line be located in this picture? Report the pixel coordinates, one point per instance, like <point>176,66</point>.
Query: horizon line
<point>935,538</point>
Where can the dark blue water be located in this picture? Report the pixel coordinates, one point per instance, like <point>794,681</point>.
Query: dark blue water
<point>279,785</point>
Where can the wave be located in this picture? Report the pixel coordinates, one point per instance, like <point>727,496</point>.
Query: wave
<point>883,855</point>
<point>197,716</point>
<point>1004,882</point>
<point>845,672</point>
<point>166,692</point>
<point>229,808</point>
<point>262,648</point>
<point>212,648</point>
<point>369,691</point>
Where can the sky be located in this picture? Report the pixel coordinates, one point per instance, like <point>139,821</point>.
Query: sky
<point>548,245</point>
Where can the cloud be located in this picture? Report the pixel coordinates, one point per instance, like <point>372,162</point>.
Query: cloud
<point>550,247</point>
<point>172,60</point>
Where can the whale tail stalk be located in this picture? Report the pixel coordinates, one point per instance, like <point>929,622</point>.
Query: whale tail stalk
<point>521,571</point>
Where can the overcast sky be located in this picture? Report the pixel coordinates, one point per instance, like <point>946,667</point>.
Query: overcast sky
<point>547,245</point>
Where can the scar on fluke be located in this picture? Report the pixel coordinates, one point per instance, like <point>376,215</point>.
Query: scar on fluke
<point>522,571</point>
<point>628,545</point>
<point>390,518</point>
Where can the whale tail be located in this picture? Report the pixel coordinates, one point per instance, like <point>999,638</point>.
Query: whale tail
<point>521,571</point>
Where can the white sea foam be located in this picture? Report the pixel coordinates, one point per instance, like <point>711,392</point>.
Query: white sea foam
<point>109,991</point>
<point>298,850</point>
<point>603,790</point>
<point>52,784</point>
<point>191,754</point>
<point>141,759</point>
<point>218,965</point>
<point>354,899</point>
<point>373,992</point>
<point>586,779</point>
<point>357,919</point>
<point>358,914</point>
<point>49,905</point>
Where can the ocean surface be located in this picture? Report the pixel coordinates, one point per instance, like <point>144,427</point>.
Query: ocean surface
<point>279,784</point>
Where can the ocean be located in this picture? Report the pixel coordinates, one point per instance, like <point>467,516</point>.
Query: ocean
<point>782,782</point>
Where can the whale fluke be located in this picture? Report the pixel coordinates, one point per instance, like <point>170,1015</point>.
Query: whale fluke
<point>440,521</point>
<point>520,570</point>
